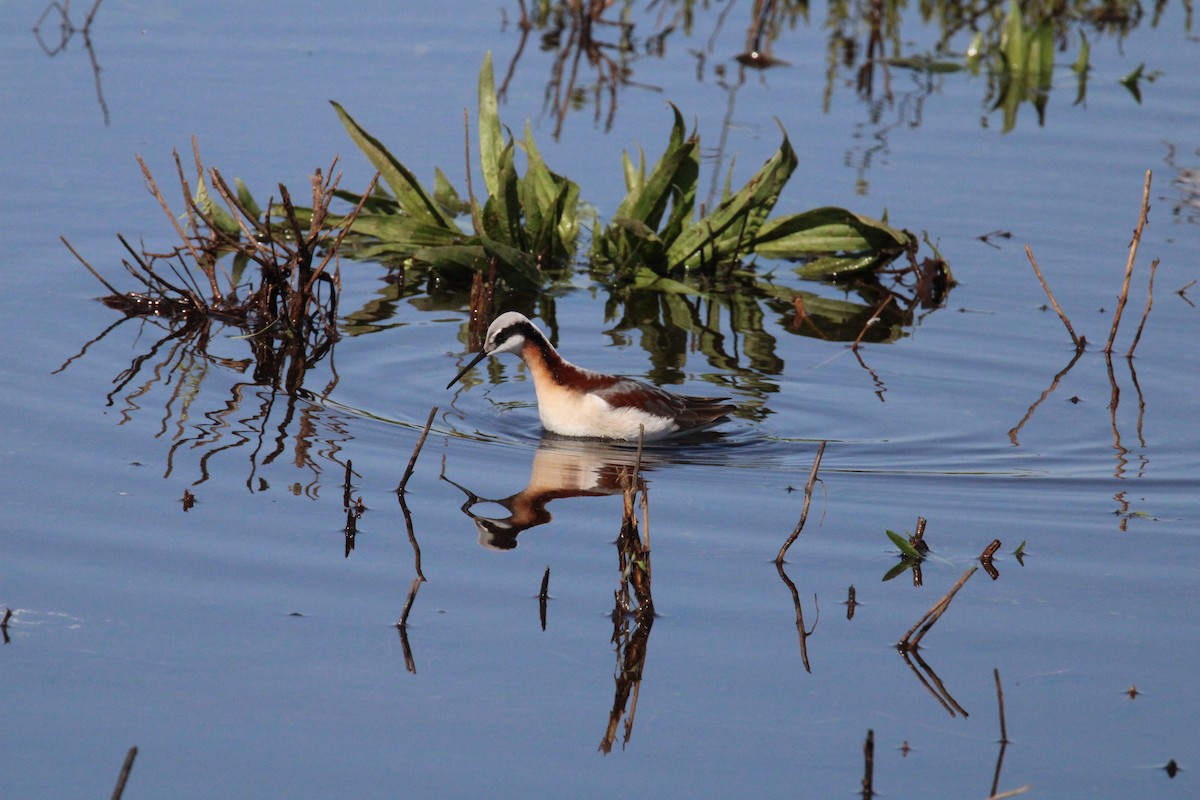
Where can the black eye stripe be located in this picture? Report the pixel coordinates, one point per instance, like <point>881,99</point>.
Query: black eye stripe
<point>523,329</point>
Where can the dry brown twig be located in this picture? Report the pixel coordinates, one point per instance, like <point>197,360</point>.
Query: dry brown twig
<point>1133,248</point>
<point>123,777</point>
<point>933,614</point>
<point>1137,337</point>
<point>812,479</point>
<point>412,461</point>
<point>1079,342</point>
<point>874,318</point>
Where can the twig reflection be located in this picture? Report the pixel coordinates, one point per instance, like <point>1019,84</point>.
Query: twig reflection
<point>932,683</point>
<point>179,361</point>
<point>402,625</point>
<point>803,632</point>
<point>67,29</point>
<point>572,30</point>
<point>1003,734</point>
<point>1016,429</point>
<point>633,610</point>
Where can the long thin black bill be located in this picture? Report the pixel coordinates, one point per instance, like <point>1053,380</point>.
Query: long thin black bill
<point>482,354</point>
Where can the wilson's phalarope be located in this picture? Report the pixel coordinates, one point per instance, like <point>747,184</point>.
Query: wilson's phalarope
<point>573,401</point>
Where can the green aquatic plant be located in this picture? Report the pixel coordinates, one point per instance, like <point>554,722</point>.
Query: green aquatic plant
<point>527,223</point>
<point>527,227</point>
<point>907,550</point>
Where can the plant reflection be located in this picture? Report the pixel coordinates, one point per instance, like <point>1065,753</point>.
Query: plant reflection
<point>1186,207</point>
<point>66,30</point>
<point>265,414</point>
<point>672,323</point>
<point>1012,44</point>
<point>734,325</point>
<point>633,610</point>
<point>573,31</point>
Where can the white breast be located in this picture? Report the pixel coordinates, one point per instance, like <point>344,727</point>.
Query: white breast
<point>570,413</point>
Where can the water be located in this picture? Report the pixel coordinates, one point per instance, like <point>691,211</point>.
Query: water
<point>247,653</point>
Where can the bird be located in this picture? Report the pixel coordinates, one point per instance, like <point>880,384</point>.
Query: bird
<point>579,403</point>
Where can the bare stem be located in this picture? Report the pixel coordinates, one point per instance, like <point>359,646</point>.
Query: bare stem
<point>808,489</point>
<point>412,462</point>
<point>1133,248</point>
<point>934,614</point>
<point>1137,337</point>
<point>1079,343</point>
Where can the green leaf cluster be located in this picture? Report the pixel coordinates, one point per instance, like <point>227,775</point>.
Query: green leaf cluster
<point>653,236</point>
<point>529,224</point>
<point>526,224</point>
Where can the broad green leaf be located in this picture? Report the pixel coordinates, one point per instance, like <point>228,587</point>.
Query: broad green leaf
<point>455,263</point>
<point>635,177</point>
<point>247,199</point>
<point>380,202</point>
<point>731,229</point>
<point>240,262</point>
<point>839,266</point>
<point>515,267</point>
<point>404,232</point>
<point>548,202</point>
<point>491,136</point>
<point>905,547</point>
<point>674,175</point>
<point>445,195</point>
<point>825,231</point>
<point>221,219</point>
<point>409,193</point>
<point>502,211</point>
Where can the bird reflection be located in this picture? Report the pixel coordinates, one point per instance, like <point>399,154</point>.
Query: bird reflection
<point>561,468</point>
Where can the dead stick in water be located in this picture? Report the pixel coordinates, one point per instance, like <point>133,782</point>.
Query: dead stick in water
<point>412,462</point>
<point>119,789</point>
<point>1079,343</point>
<point>1133,248</point>
<point>871,321</point>
<point>812,479</point>
<point>918,537</point>
<point>1137,337</point>
<point>933,615</point>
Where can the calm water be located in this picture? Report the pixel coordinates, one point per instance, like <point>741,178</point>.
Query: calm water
<point>247,654</point>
